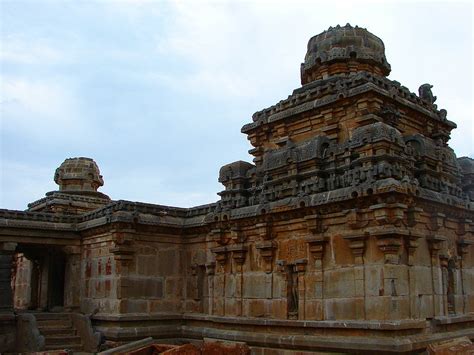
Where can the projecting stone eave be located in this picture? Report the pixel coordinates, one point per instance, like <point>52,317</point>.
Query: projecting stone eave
<point>323,93</point>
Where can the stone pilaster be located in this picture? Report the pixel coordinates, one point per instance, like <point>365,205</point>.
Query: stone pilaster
<point>6,293</point>
<point>72,283</point>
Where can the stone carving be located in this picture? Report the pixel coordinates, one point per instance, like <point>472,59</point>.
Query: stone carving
<point>424,92</point>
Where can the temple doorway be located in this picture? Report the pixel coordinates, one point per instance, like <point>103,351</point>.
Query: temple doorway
<point>38,278</point>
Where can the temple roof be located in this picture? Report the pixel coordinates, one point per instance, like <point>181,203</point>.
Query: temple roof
<point>344,44</point>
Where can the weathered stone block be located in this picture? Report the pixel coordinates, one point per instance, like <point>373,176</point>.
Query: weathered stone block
<point>420,280</point>
<point>232,307</point>
<point>218,307</point>
<point>314,310</point>
<point>134,306</point>
<point>387,308</point>
<point>339,283</point>
<point>254,308</point>
<point>374,280</point>
<point>173,287</point>
<point>230,285</point>
<point>344,308</point>
<point>278,308</point>
<point>164,306</point>
<point>257,285</point>
<point>219,285</point>
<point>279,286</point>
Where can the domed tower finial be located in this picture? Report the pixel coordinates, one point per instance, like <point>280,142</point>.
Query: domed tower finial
<point>78,175</point>
<point>78,180</point>
<point>343,50</point>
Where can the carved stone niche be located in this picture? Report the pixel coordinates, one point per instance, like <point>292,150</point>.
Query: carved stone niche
<point>435,243</point>
<point>357,246</point>
<point>266,249</point>
<point>317,245</point>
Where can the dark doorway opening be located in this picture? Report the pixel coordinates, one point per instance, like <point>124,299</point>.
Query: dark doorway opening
<point>451,286</point>
<point>56,281</point>
<point>292,291</point>
<point>38,278</point>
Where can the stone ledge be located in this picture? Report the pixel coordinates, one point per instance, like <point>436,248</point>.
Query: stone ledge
<point>132,317</point>
<point>461,318</point>
<point>343,324</point>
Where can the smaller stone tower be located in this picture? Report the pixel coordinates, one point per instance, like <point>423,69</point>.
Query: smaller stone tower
<point>78,180</point>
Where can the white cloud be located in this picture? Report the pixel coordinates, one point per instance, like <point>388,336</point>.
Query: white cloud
<point>34,105</point>
<point>19,50</point>
<point>24,182</point>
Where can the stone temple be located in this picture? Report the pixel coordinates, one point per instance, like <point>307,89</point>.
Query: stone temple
<point>351,231</point>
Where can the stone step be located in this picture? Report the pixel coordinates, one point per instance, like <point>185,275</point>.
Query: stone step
<point>61,323</point>
<point>65,340</point>
<point>58,331</point>
<point>51,316</point>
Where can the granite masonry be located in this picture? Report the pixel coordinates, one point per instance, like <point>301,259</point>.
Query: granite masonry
<point>351,231</point>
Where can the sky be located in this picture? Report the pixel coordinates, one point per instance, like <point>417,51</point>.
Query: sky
<point>156,92</point>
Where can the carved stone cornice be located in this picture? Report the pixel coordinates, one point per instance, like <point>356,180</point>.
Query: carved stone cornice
<point>317,245</point>
<point>300,265</point>
<point>237,235</point>
<point>264,230</point>
<point>464,226</point>
<point>220,236</point>
<point>389,213</point>
<point>221,255</point>
<point>463,246</point>
<point>210,268</point>
<point>390,241</point>
<point>266,249</point>
<point>413,216</point>
<point>239,252</point>
<point>436,221</point>
<point>355,221</point>
<point>122,248</point>
<point>357,246</point>
<point>314,224</point>
<point>412,244</point>
<point>435,243</point>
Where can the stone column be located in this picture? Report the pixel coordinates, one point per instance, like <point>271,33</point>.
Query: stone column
<point>6,293</point>
<point>72,279</point>
<point>7,317</point>
<point>435,244</point>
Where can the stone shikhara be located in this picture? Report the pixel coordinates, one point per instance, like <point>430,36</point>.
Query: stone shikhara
<point>352,229</point>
